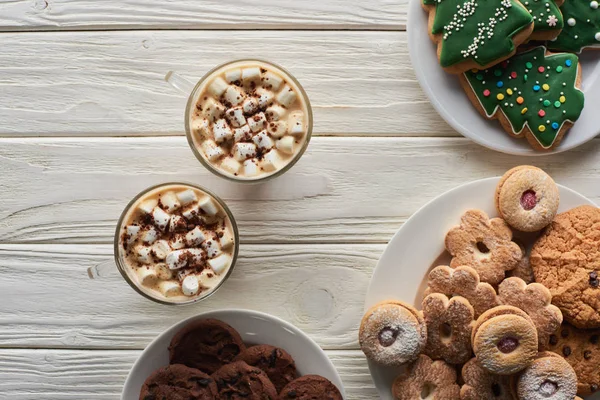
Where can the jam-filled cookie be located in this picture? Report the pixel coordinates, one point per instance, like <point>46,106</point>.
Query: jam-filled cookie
<point>179,382</point>
<point>310,387</point>
<point>482,384</point>
<point>548,377</point>
<point>527,198</point>
<point>392,333</point>
<point>277,363</point>
<point>427,379</point>
<point>238,380</point>
<point>505,340</point>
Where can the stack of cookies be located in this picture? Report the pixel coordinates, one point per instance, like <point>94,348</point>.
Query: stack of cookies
<point>209,361</point>
<point>534,93</point>
<point>491,323</point>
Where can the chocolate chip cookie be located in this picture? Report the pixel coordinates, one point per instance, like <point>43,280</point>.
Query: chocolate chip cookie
<point>275,362</point>
<point>238,380</point>
<point>310,387</point>
<point>178,382</point>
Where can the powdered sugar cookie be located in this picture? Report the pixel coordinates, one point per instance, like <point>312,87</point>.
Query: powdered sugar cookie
<point>482,384</point>
<point>427,379</point>
<point>548,377</point>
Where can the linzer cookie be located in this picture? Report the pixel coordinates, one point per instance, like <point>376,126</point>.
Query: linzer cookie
<point>566,259</point>
<point>482,384</point>
<point>548,377</point>
<point>426,379</point>
<point>179,382</point>
<point>310,387</point>
<point>238,380</point>
<point>582,27</point>
<point>548,21</point>
<point>485,245</point>
<point>476,33</point>
<point>275,362</point>
<point>535,95</point>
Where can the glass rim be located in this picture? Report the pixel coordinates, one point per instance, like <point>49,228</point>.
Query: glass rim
<point>222,174</point>
<point>121,265</point>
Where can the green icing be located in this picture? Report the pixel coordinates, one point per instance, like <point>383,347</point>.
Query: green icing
<point>582,26</point>
<point>478,30</point>
<point>522,79</point>
<point>546,15</point>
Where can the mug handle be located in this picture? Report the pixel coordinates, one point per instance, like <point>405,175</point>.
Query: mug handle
<point>102,270</point>
<point>180,83</point>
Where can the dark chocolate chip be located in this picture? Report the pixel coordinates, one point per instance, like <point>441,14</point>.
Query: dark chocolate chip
<point>553,340</point>
<point>566,351</point>
<point>594,339</point>
<point>564,333</point>
<point>587,354</point>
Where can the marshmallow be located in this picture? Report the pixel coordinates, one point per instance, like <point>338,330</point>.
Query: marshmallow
<point>287,96</point>
<point>195,237</point>
<point>242,133</point>
<point>251,74</point>
<point>265,97</point>
<point>233,75</point>
<point>276,113</point>
<point>211,150</point>
<point>271,161</point>
<point>177,224</point>
<point>231,165</point>
<point>147,206</point>
<point>201,126</point>
<point>150,236</point>
<point>243,151</point>
<point>272,80</point>
<point>263,140</point>
<point>132,232</point>
<point>220,264</point>
<point>212,109</point>
<point>277,129</point>
<point>234,96</point>
<point>169,201</point>
<point>180,258</point>
<point>296,123</point>
<point>286,144</point>
<point>226,239</point>
<point>218,87</point>
<point>161,249</point>
<point>257,122</point>
<point>222,131</point>
<point>143,254</point>
<point>212,248</point>
<point>190,285</point>
<point>236,117</point>
<point>186,197</point>
<point>208,279</point>
<point>250,105</point>
<point>178,242</point>
<point>208,206</point>
<point>161,218</point>
<point>250,168</point>
<point>147,276</point>
<point>191,212</point>
<point>163,272</point>
<point>169,288</point>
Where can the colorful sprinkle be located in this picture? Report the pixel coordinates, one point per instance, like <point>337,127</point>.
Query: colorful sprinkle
<point>557,104</point>
<point>547,103</point>
<point>555,125</point>
<point>541,128</point>
<point>500,84</point>
<point>559,69</point>
<point>509,92</point>
<point>525,78</point>
<point>500,96</point>
<point>536,88</point>
<point>529,65</point>
<point>523,111</point>
<point>542,113</point>
<point>594,4</point>
<point>546,87</point>
<point>486,93</point>
<point>541,69</point>
<point>497,72</point>
<point>520,100</point>
<point>568,63</point>
<point>562,99</point>
<point>513,74</point>
<point>479,77</point>
<point>474,70</point>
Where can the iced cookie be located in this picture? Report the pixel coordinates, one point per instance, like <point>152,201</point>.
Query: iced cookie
<point>449,327</point>
<point>310,387</point>
<point>482,384</point>
<point>179,382</point>
<point>548,21</point>
<point>581,349</point>
<point>392,333</point>
<point>535,95</point>
<point>427,379</point>
<point>485,245</point>
<point>463,281</point>
<point>476,33</point>
<point>238,380</point>
<point>566,259</point>
<point>523,269</point>
<point>535,300</point>
<point>206,345</point>
<point>548,377</point>
<point>582,27</point>
<point>505,340</point>
<point>275,362</point>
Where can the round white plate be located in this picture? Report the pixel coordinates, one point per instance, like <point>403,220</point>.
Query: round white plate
<point>255,328</point>
<point>451,102</point>
<point>419,245</point>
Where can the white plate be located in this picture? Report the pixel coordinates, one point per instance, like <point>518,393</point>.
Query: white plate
<point>419,245</point>
<point>450,101</point>
<point>255,328</point>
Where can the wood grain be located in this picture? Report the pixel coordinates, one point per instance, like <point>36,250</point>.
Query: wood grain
<point>99,375</point>
<point>205,14</point>
<point>112,83</point>
<point>61,190</point>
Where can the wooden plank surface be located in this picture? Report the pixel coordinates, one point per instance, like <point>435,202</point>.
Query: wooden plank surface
<point>112,83</point>
<point>343,190</point>
<point>205,14</point>
<point>27,374</point>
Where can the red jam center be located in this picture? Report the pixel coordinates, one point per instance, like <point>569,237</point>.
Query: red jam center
<point>528,200</point>
<point>387,336</point>
<point>508,345</point>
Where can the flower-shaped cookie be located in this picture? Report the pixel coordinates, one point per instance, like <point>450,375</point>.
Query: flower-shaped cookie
<point>535,300</point>
<point>483,244</point>
<point>463,281</point>
<point>427,379</point>
<point>481,384</point>
<point>449,327</point>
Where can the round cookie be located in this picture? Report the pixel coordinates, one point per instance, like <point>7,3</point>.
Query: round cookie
<point>566,259</point>
<point>523,269</point>
<point>275,362</point>
<point>206,345</point>
<point>178,382</point>
<point>482,384</point>
<point>505,340</point>
<point>426,379</point>
<point>238,380</point>
<point>392,333</point>
<point>310,387</point>
<point>548,377</point>
<point>527,198</point>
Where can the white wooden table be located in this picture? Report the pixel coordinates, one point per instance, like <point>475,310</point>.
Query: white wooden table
<point>86,122</point>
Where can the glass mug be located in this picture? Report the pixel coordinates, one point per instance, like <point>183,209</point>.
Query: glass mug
<point>203,88</point>
<point>128,272</point>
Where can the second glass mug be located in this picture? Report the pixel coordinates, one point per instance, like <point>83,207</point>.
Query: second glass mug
<point>193,91</point>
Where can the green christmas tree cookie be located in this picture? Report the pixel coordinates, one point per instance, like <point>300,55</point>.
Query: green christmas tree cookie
<point>547,18</point>
<point>477,33</point>
<point>534,94</point>
<point>582,27</point>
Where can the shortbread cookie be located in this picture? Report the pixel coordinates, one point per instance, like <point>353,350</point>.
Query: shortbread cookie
<point>277,363</point>
<point>535,299</point>
<point>179,382</point>
<point>427,379</point>
<point>535,95</point>
<point>476,33</point>
<point>527,198</point>
<point>485,245</point>
<point>548,21</point>
<point>238,380</point>
<point>310,387</point>
<point>582,27</point>
<point>548,377</point>
<point>505,340</point>
<point>463,281</point>
<point>449,327</point>
<point>566,259</point>
<point>523,269</point>
<point>392,333</point>
<point>581,349</point>
<point>482,384</point>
